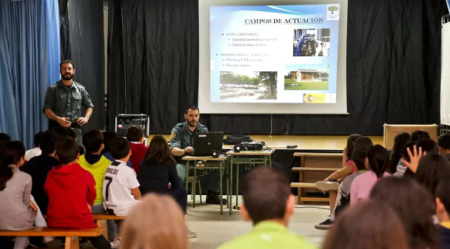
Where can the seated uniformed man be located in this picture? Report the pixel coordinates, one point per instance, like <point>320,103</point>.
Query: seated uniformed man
<point>182,142</point>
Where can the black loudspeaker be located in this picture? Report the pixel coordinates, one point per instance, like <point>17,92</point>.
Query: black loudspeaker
<point>215,154</point>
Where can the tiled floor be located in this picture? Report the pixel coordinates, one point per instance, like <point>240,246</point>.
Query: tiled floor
<point>214,229</point>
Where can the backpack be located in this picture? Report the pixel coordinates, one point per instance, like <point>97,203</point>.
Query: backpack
<point>236,139</point>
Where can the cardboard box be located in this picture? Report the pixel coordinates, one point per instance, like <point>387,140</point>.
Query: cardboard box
<point>390,131</point>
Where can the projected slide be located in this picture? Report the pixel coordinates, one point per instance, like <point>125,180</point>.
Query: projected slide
<point>274,54</point>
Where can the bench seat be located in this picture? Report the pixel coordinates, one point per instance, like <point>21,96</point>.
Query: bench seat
<point>71,235</point>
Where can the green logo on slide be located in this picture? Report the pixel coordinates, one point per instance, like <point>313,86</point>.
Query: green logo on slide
<point>333,9</point>
<point>333,12</point>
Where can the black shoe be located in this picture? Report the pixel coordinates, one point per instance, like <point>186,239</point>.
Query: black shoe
<point>83,242</point>
<point>36,242</point>
<point>214,199</point>
<point>324,225</point>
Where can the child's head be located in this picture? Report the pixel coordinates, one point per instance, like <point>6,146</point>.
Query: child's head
<point>155,211</point>
<point>444,143</point>
<point>429,146</point>
<point>135,134</point>
<point>108,136</point>
<point>67,151</point>
<point>400,140</point>
<point>4,138</point>
<point>399,143</point>
<point>120,149</point>
<point>71,133</point>
<point>410,146</point>
<point>267,196</point>
<point>48,142</point>
<point>443,201</point>
<point>38,138</point>
<point>93,141</point>
<point>60,131</point>
<point>419,135</point>
<point>159,151</point>
<point>413,204</point>
<point>369,224</point>
<point>363,143</point>
<point>377,160</point>
<point>351,144</point>
<point>12,153</point>
<point>433,168</point>
<point>359,159</point>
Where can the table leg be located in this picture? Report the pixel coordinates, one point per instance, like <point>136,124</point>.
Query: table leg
<point>72,243</point>
<point>237,185</point>
<point>227,172</point>
<point>221,186</point>
<point>270,161</point>
<point>187,176</point>
<point>195,179</point>
<point>230,201</point>
<point>104,225</point>
<point>186,182</point>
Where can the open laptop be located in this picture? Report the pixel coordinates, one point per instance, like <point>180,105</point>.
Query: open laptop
<point>206,143</point>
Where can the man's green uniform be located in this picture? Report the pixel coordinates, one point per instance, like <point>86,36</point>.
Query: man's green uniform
<point>182,137</point>
<point>268,235</point>
<point>66,101</point>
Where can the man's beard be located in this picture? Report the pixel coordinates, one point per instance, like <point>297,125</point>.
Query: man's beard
<point>191,125</point>
<point>67,78</point>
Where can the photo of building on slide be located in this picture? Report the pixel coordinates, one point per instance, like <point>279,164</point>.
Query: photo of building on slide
<point>311,42</point>
<point>306,77</point>
<point>253,85</point>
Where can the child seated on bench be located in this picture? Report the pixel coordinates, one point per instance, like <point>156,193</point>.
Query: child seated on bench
<point>71,193</point>
<point>135,136</point>
<point>139,227</point>
<point>332,182</point>
<point>443,212</point>
<point>18,211</point>
<point>36,151</point>
<point>377,162</point>
<point>96,164</point>
<point>108,136</point>
<point>120,187</point>
<point>343,197</point>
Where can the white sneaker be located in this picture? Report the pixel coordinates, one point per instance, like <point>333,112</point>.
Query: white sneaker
<point>48,239</point>
<point>326,186</point>
<point>115,244</point>
<point>191,234</point>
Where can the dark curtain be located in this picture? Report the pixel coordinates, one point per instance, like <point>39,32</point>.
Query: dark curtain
<point>153,59</point>
<point>82,42</point>
<point>393,68</point>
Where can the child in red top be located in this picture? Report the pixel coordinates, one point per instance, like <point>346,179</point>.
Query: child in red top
<point>135,136</point>
<point>71,193</point>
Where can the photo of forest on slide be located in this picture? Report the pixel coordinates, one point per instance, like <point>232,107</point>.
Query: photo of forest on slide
<point>254,85</point>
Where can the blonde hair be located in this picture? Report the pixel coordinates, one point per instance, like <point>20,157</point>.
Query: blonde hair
<point>157,222</point>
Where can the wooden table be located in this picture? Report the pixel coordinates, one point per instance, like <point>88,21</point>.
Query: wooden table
<point>304,142</point>
<point>222,167</point>
<point>247,158</point>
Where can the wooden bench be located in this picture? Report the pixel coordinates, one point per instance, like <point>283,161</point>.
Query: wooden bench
<point>71,235</point>
<point>319,160</point>
<point>100,220</point>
